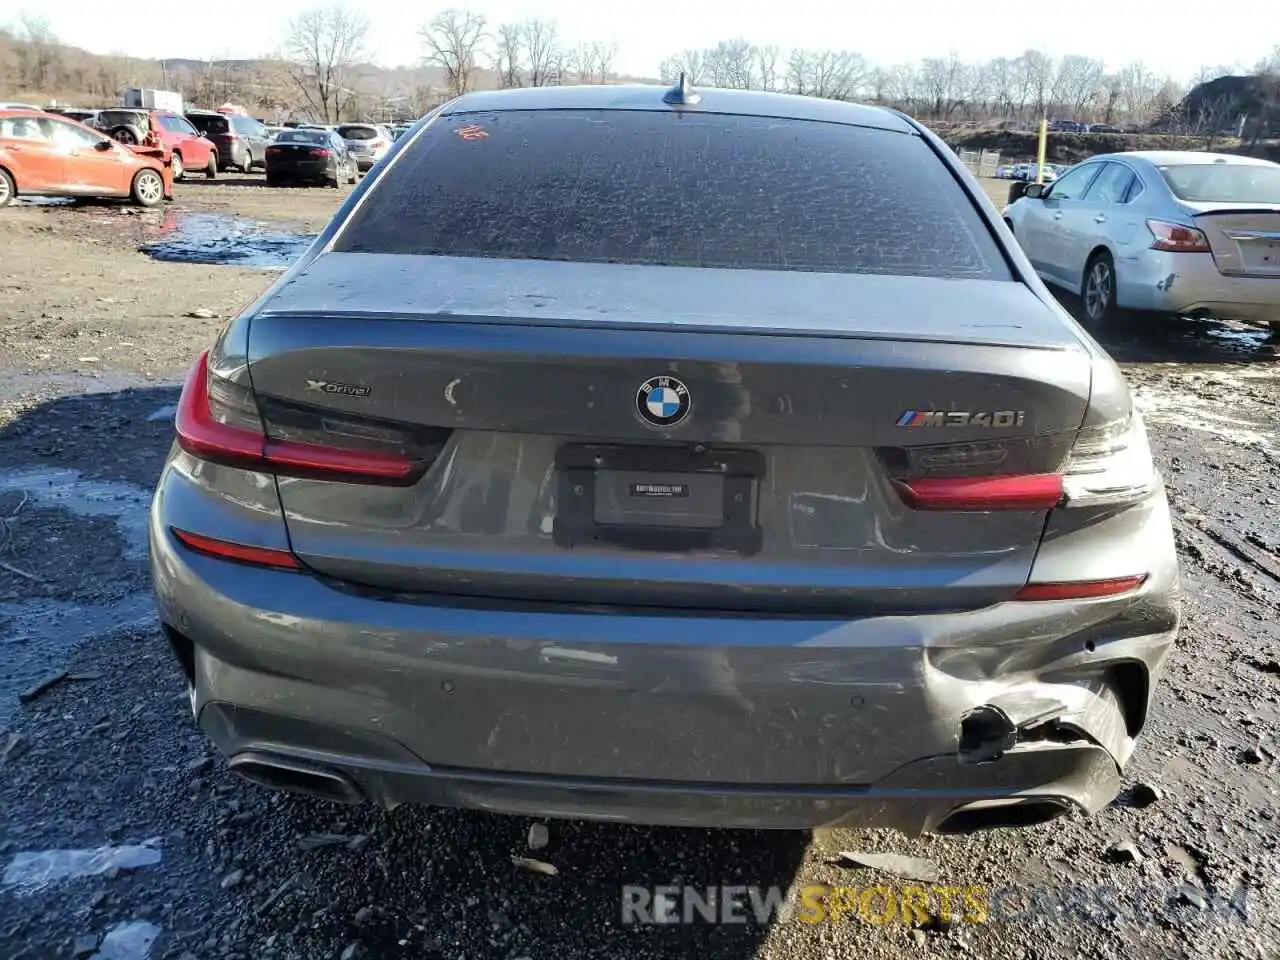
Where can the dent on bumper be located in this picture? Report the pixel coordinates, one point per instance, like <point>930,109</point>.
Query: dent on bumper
<point>1190,283</point>
<point>1051,716</point>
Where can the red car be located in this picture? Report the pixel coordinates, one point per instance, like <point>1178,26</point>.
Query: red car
<point>46,155</point>
<point>160,128</point>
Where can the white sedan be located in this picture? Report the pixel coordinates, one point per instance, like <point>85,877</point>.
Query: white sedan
<point>1194,234</point>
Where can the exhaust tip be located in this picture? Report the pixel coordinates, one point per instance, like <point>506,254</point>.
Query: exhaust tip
<point>993,814</point>
<point>293,776</point>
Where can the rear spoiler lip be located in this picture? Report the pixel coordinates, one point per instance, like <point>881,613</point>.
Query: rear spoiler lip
<point>660,327</point>
<point>1232,211</point>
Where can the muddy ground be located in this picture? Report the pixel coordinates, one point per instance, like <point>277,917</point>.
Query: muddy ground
<point>196,864</point>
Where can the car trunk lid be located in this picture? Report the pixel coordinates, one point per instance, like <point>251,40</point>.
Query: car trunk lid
<point>810,397</point>
<point>1244,238</point>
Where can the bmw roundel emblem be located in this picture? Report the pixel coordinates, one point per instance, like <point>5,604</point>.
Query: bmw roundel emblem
<point>663,401</point>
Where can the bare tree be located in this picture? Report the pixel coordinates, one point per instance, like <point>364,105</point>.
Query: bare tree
<point>452,41</point>
<point>837,75</point>
<point>510,50</point>
<point>593,62</point>
<point>40,50</point>
<point>766,66</point>
<point>542,41</point>
<point>731,64</point>
<point>1138,89</point>
<point>324,46</point>
<point>944,85</point>
<point>689,63</point>
<point>606,54</point>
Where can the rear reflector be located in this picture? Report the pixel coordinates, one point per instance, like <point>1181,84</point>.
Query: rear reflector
<point>1080,589</point>
<point>226,550</point>
<point>204,437</point>
<point>1036,491</point>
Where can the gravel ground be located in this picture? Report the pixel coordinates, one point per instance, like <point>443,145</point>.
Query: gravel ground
<point>198,864</point>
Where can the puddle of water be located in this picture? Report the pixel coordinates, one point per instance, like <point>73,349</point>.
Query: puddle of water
<point>61,487</point>
<point>44,201</point>
<point>37,634</point>
<point>1188,341</point>
<point>31,872</point>
<point>128,941</point>
<point>217,238</point>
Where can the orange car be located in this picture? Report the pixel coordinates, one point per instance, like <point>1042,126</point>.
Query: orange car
<point>47,155</point>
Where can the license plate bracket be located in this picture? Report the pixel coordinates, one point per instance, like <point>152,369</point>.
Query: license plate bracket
<point>664,499</point>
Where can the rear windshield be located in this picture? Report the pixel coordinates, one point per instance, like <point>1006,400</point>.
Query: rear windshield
<point>1224,182</point>
<point>358,133</point>
<point>133,117</point>
<point>209,124</point>
<point>302,136</point>
<point>679,190</point>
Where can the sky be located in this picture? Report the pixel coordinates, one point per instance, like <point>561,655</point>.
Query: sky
<point>1176,37</point>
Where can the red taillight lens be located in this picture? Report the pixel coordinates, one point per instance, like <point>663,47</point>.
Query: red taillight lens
<point>318,152</point>
<point>202,435</point>
<point>1176,238</point>
<point>1080,589</point>
<point>242,553</point>
<point>1037,491</point>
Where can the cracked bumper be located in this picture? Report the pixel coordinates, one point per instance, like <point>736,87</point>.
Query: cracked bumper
<point>735,722</point>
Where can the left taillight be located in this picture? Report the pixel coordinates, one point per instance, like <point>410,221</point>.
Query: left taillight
<point>218,421</point>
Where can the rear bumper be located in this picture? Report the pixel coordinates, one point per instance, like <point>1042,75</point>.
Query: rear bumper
<point>720,720</point>
<point>1190,284</point>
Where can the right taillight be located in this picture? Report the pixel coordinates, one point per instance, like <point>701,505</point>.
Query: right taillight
<point>218,421</point>
<point>1110,463</point>
<point>1176,238</point>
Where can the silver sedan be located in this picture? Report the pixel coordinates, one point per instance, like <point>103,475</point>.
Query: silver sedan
<point>1194,234</point>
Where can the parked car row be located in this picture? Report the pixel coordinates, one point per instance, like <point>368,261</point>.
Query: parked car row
<point>1027,171</point>
<point>95,152</point>
<point>42,154</point>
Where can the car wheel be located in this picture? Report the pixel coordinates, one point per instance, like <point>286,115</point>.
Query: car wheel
<point>129,136</point>
<point>353,175</point>
<point>1098,292</point>
<point>176,164</point>
<point>7,190</point>
<point>148,188</point>
<point>211,168</point>
<point>335,181</point>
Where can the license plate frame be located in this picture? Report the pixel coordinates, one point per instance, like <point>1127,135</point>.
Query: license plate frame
<point>577,525</point>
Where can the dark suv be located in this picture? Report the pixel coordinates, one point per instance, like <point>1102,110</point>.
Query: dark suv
<point>241,141</point>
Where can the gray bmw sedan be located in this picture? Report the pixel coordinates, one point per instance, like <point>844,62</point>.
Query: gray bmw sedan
<point>679,457</point>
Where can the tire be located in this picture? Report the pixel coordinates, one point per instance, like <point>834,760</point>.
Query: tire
<point>335,181</point>
<point>353,175</point>
<point>273,180</point>
<point>129,136</point>
<point>147,189</point>
<point>7,190</point>
<point>211,168</point>
<point>1098,289</point>
<point>179,171</point>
